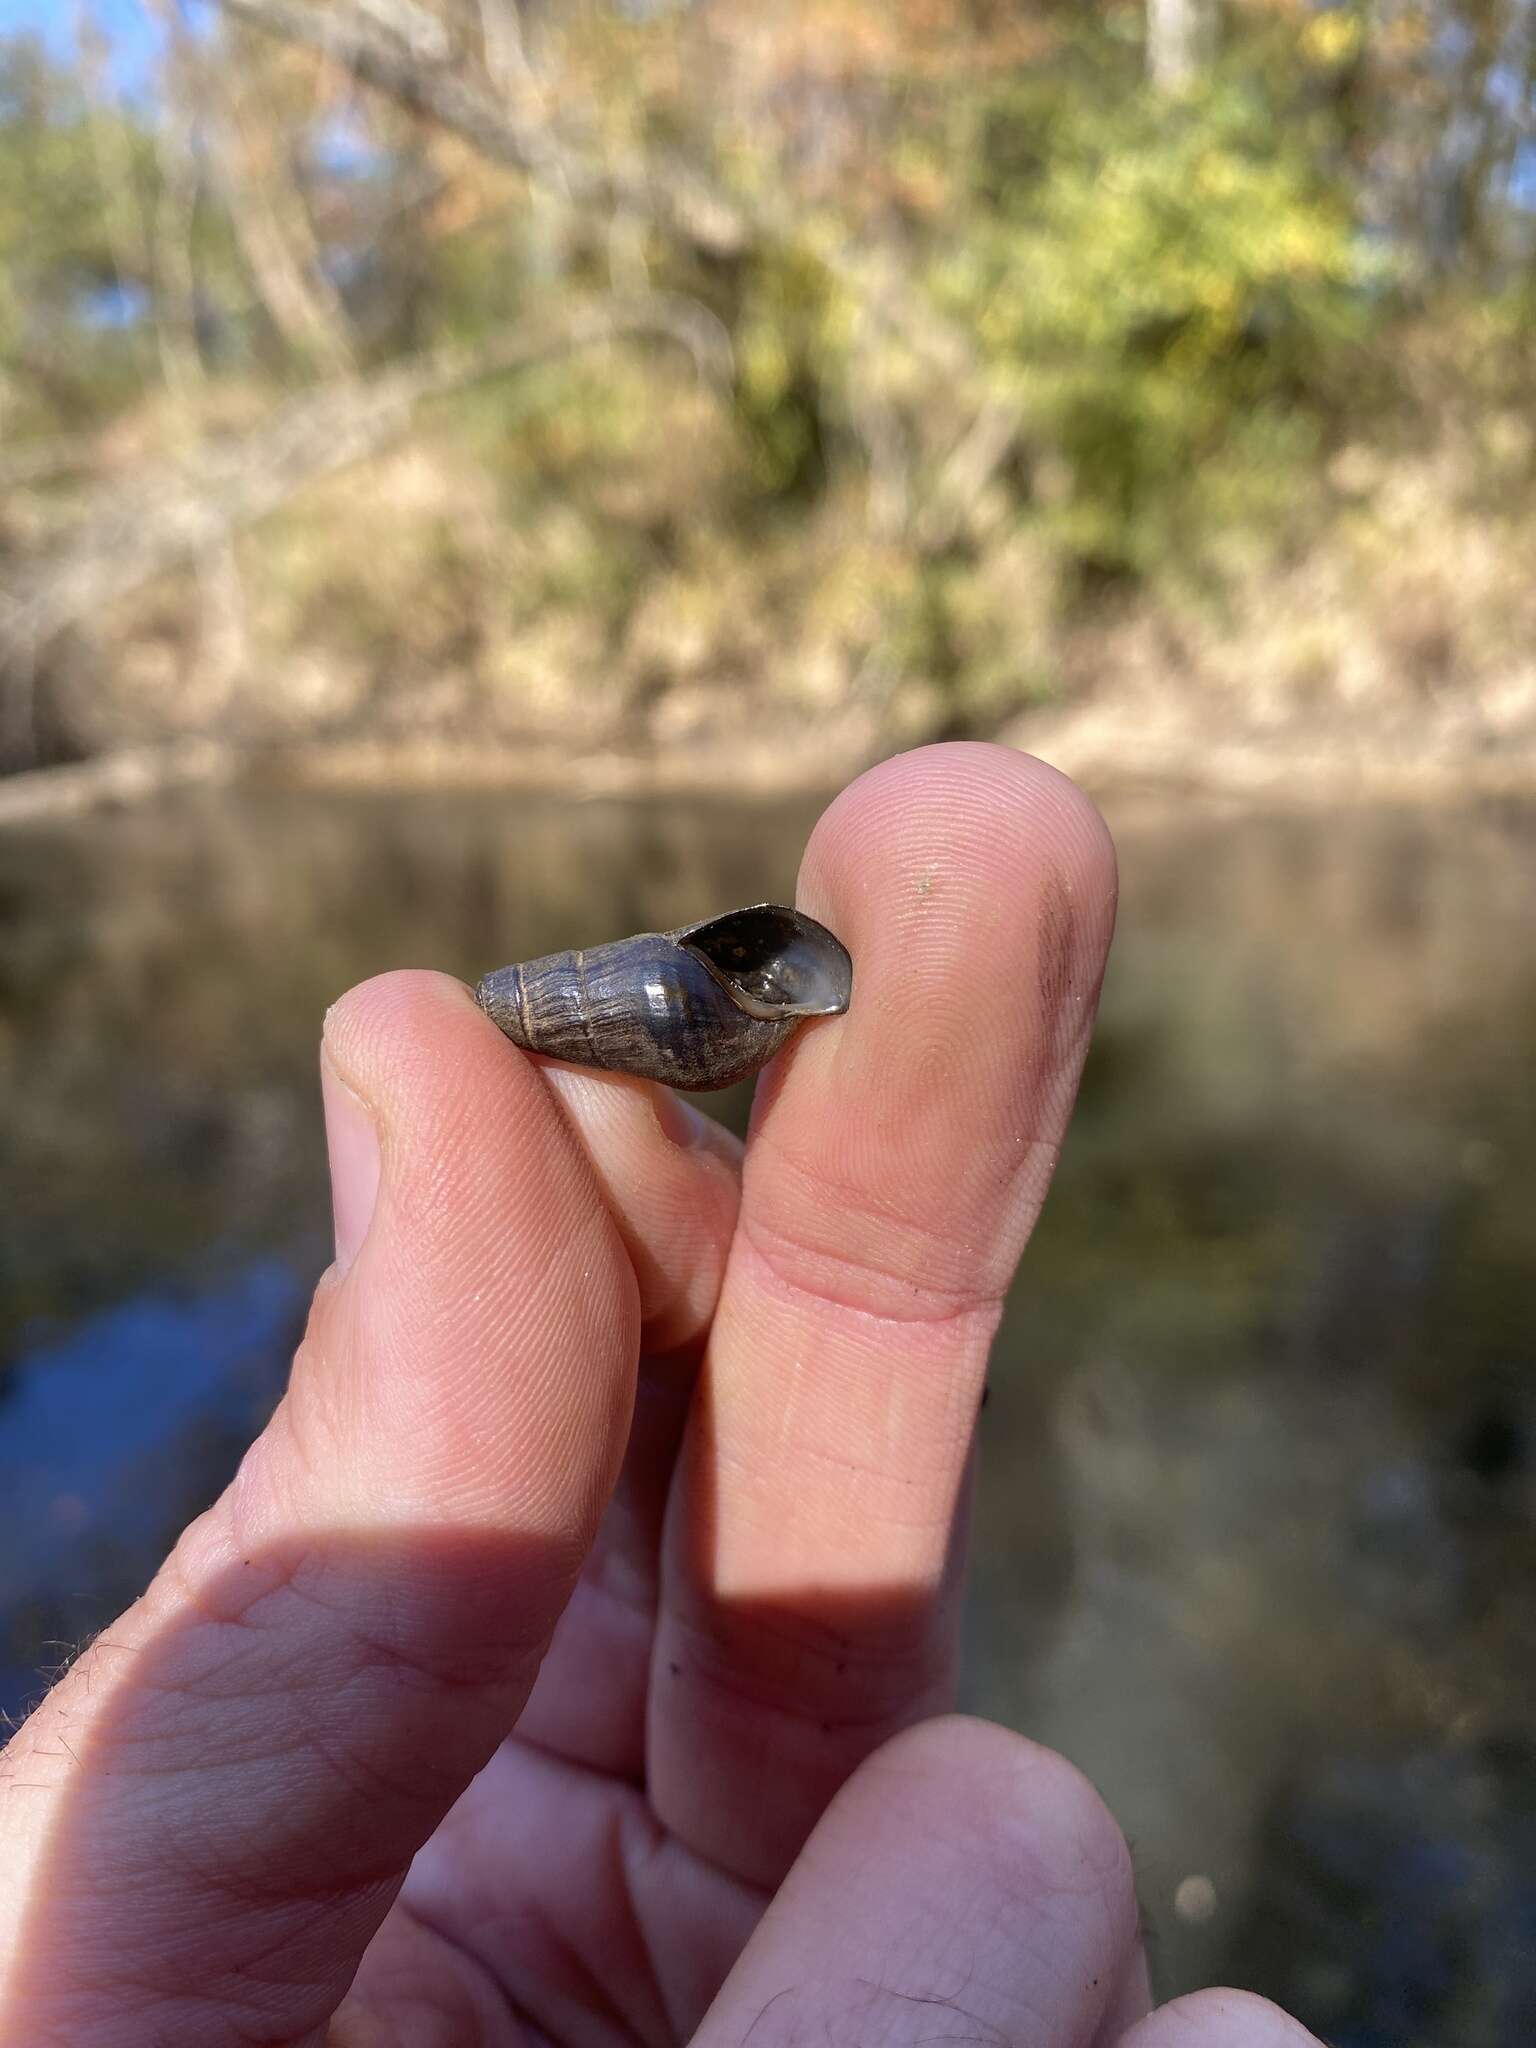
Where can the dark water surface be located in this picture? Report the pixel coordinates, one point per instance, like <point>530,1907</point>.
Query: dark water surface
<point>1258,1513</point>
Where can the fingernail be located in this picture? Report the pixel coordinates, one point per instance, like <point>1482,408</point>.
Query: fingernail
<point>679,1120</point>
<point>353,1141</point>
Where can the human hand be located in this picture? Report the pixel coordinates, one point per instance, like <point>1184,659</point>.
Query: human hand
<point>664,1459</point>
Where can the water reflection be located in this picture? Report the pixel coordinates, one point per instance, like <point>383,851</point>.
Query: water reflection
<point>1258,1512</point>
<point>107,1440</point>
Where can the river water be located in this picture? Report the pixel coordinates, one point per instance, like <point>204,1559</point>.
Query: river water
<point>1258,1510</point>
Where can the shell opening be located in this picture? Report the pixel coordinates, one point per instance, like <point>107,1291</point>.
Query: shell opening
<point>776,962</point>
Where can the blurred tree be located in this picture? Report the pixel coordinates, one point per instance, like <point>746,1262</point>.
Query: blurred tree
<point>996,279</point>
<point>1178,38</point>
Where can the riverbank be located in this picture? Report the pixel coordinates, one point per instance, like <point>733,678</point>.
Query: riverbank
<point>1112,747</point>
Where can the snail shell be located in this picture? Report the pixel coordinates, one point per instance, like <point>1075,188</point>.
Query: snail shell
<point>700,1007</point>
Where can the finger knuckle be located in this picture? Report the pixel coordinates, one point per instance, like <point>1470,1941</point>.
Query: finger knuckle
<point>872,1264</point>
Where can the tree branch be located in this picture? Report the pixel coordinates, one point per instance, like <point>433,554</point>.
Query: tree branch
<point>128,535</point>
<point>703,217</point>
<point>439,93</point>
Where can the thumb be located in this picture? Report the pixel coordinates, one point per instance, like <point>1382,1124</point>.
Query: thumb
<point>965,1885</point>
<point>208,1818</point>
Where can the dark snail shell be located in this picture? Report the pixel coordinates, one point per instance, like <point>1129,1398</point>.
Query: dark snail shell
<point>700,1007</point>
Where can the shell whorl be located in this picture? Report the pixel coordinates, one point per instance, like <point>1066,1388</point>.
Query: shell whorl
<point>700,1007</point>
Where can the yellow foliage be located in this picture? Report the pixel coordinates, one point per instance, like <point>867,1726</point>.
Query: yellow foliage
<point>1331,38</point>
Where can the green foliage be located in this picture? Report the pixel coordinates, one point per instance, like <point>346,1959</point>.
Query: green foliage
<point>977,630</point>
<point>788,366</point>
<point>1182,307</point>
<point>1162,289</point>
<point>63,242</point>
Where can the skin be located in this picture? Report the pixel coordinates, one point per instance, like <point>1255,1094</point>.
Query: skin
<point>570,1659</point>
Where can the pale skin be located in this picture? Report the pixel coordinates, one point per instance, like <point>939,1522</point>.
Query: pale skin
<point>570,1660</point>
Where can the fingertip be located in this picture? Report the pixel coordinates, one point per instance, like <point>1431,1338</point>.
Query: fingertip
<point>975,889</point>
<point>962,1875</point>
<point>367,1005</point>
<point>885,821</point>
<point>474,1147</point>
<point>1218,2019</point>
<point>963,866</point>
<point>1036,1821</point>
<point>394,1027</point>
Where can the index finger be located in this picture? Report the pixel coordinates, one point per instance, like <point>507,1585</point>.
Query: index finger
<point>897,1161</point>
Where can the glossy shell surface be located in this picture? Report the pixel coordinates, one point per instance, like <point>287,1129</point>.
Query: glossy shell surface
<point>699,1008</point>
